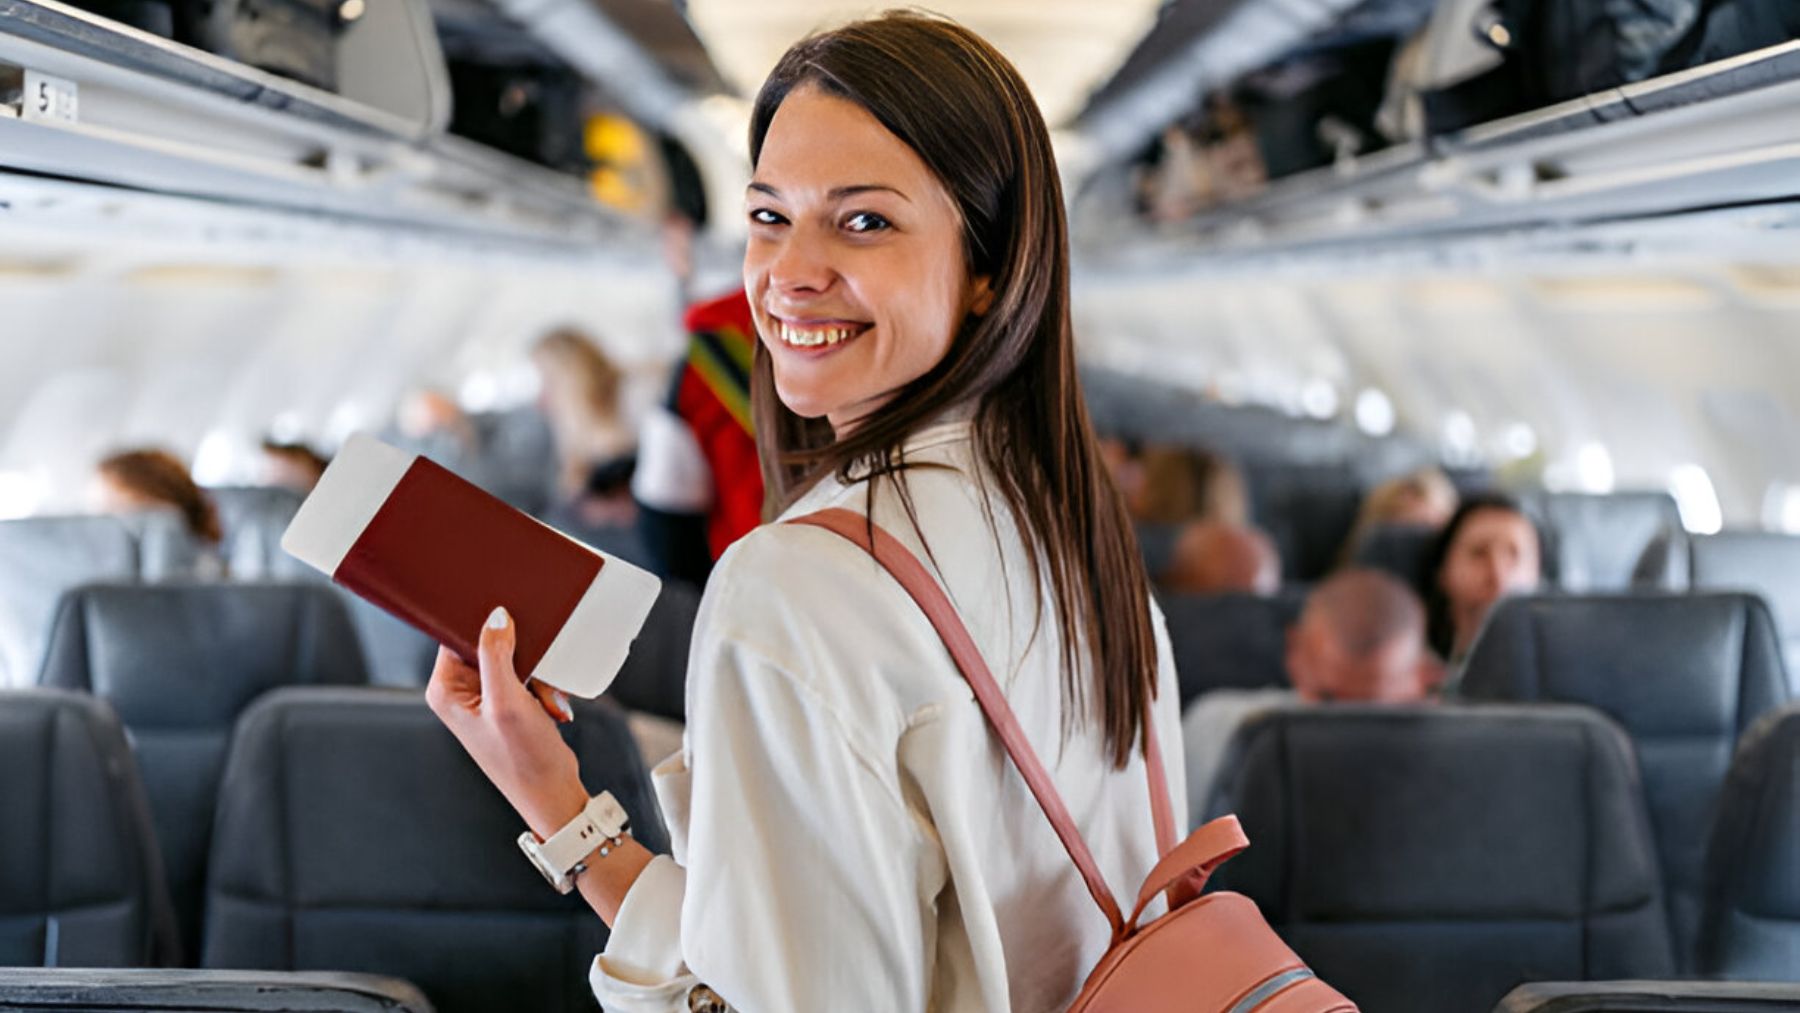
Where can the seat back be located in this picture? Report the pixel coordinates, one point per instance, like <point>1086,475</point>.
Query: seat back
<point>1750,926</point>
<point>1307,510</point>
<point>254,518</point>
<point>1430,859</point>
<point>654,676</point>
<point>1229,641</point>
<point>182,990</point>
<point>81,883</point>
<point>179,662</point>
<point>1764,562</point>
<point>1650,997</point>
<point>1596,539</point>
<point>1685,675</point>
<point>40,558</point>
<point>355,834</point>
<point>1403,550</point>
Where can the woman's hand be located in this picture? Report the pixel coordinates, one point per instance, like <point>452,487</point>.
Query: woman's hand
<point>508,730</point>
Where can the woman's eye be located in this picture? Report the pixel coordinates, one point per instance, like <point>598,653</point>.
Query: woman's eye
<point>763,216</point>
<point>866,221</point>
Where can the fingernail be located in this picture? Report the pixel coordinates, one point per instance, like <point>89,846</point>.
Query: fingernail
<point>562,704</point>
<point>498,619</point>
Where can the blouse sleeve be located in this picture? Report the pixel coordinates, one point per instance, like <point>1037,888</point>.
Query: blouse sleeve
<point>810,882</point>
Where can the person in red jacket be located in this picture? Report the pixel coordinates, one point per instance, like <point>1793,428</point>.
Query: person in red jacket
<point>698,484</point>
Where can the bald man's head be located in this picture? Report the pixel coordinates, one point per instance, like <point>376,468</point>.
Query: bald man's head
<point>1361,637</point>
<point>1212,557</point>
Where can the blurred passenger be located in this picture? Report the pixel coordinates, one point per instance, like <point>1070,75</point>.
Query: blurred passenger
<point>293,466</point>
<point>1424,499</point>
<point>578,392</point>
<point>1360,639</point>
<point>1214,557</point>
<point>699,483</point>
<point>1490,549</point>
<point>1124,462</point>
<point>147,479</point>
<point>1180,485</point>
<point>432,423</point>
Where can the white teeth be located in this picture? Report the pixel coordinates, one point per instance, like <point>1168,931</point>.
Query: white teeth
<point>815,338</point>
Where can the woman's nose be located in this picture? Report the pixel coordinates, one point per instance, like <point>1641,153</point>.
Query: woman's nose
<point>800,264</point>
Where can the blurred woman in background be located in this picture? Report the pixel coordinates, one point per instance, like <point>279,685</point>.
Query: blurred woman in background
<point>1490,549</point>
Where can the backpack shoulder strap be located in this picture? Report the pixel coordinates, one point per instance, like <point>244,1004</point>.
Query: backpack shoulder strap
<point>905,567</point>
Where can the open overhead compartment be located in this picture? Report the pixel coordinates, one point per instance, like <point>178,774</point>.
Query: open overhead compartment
<point>90,100</point>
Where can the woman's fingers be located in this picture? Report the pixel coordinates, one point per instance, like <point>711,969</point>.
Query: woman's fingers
<point>555,701</point>
<point>454,687</point>
<point>499,681</point>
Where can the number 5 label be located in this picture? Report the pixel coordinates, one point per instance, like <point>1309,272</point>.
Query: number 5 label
<point>50,99</point>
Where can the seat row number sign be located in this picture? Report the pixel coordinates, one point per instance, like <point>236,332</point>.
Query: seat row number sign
<point>47,99</point>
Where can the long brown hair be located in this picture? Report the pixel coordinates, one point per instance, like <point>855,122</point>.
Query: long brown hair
<point>961,106</point>
<point>159,475</point>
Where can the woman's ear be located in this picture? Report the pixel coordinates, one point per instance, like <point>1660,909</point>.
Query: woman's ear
<point>981,295</point>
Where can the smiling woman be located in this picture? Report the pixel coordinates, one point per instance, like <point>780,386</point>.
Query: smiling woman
<point>848,833</point>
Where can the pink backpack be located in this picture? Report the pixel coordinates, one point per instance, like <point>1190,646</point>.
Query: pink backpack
<point>1208,954</point>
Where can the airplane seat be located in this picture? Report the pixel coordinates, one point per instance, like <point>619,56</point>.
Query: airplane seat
<point>1307,509</point>
<point>82,883</point>
<point>168,551</point>
<point>1764,562</point>
<point>254,518</point>
<point>1428,859</point>
<point>1650,997</point>
<point>394,653</point>
<point>179,990</point>
<point>1229,641</point>
<point>1685,675</point>
<point>40,558</point>
<point>355,834</point>
<point>653,679</point>
<point>1595,540</point>
<point>1403,550</point>
<point>1750,923</point>
<point>179,662</point>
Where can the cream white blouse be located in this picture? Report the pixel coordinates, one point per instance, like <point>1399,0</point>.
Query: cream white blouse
<point>847,835</point>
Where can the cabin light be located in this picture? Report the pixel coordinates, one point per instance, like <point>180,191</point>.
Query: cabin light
<point>288,427</point>
<point>1518,440</point>
<point>220,459</point>
<point>480,392</point>
<point>1319,399</point>
<point>1594,467</point>
<point>1696,499</point>
<point>1459,437</point>
<point>21,493</point>
<point>1374,412</point>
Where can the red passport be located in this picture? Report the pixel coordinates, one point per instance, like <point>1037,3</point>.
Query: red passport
<point>439,553</point>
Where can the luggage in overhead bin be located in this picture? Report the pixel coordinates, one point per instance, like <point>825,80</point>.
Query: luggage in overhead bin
<point>296,39</point>
<point>1733,27</point>
<point>530,110</point>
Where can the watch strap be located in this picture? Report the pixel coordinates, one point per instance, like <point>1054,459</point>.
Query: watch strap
<point>600,821</point>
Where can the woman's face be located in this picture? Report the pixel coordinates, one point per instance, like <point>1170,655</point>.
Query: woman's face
<point>855,266</point>
<point>1495,554</point>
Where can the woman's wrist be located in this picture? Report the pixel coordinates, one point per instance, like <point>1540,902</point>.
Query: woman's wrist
<point>551,808</point>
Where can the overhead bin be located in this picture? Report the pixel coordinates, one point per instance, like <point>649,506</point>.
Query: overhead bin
<point>113,105</point>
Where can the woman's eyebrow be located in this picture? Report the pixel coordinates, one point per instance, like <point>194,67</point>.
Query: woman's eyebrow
<point>841,192</point>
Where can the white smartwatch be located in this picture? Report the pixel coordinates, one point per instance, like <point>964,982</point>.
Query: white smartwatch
<point>601,824</point>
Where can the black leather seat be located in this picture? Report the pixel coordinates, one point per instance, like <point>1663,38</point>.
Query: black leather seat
<point>354,834</point>
<point>181,990</point>
<point>1430,859</point>
<point>1684,674</point>
<point>1596,539</point>
<point>1650,997</point>
<point>1764,562</point>
<point>254,518</point>
<point>1403,550</point>
<point>1229,641</point>
<point>1750,924</point>
<point>81,883</point>
<point>40,558</point>
<point>179,662</point>
<point>654,677</point>
<point>1307,509</point>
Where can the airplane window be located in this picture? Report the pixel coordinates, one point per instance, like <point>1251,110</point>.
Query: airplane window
<point>1374,412</point>
<point>1594,467</point>
<point>1696,499</point>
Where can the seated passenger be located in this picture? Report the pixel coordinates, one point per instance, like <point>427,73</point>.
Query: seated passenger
<point>430,422</point>
<point>1178,485</point>
<point>1490,549</point>
<point>132,481</point>
<point>1360,639</point>
<point>293,466</point>
<point>596,450</point>
<point>1216,557</point>
<point>1424,499</point>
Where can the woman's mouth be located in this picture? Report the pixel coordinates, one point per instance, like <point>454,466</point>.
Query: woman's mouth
<point>813,335</point>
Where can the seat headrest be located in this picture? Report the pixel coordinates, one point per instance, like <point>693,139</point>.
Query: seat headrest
<point>1660,664</point>
<point>1403,550</point>
<point>254,518</point>
<point>1597,539</point>
<point>75,833</point>
<point>193,655</point>
<point>1369,813</point>
<point>40,557</point>
<point>1751,922</point>
<point>1229,641</point>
